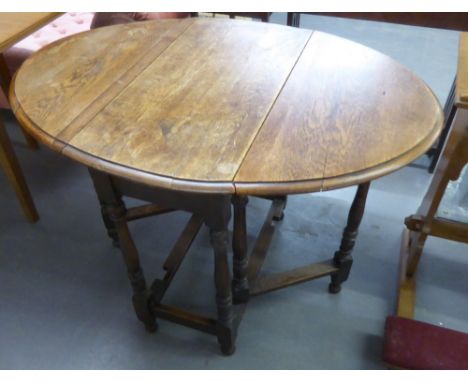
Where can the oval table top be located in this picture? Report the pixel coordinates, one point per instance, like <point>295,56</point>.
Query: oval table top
<point>226,106</point>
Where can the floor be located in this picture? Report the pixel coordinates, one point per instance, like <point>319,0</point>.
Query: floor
<point>66,300</point>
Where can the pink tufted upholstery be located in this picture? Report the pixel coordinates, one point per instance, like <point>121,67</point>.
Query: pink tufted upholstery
<point>66,25</point>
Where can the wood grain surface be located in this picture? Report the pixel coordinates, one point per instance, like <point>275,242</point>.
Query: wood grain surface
<point>461,98</point>
<point>344,109</point>
<point>16,25</point>
<point>226,106</point>
<point>193,113</point>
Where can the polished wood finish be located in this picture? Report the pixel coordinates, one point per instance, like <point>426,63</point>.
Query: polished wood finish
<point>440,227</point>
<point>212,210</point>
<point>343,259</point>
<point>217,110</point>
<point>240,284</point>
<point>446,20</point>
<point>259,114</point>
<point>176,256</point>
<point>145,211</point>
<point>15,26</point>
<point>461,99</point>
<point>340,134</point>
<point>292,277</point>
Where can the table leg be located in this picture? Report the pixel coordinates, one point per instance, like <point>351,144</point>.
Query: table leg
<point>293,19</point>
<point>284,200</point>
<point>116,213</point>
<point>240,285</point>
<point>224,325</point>
<point>343,259</point>
<point>110,226</point>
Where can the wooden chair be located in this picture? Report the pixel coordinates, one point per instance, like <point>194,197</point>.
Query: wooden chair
<point>8,159</point>
<point>410,343</point>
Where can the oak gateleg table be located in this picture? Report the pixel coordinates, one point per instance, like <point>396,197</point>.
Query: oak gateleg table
<point>199,114</point>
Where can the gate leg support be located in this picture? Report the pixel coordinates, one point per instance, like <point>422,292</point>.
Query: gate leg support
<point>224,324</point>
<point>141,295</point>
<point>240,285</point>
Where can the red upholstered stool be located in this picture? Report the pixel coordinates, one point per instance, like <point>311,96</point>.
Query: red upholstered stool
<point>411,344</point>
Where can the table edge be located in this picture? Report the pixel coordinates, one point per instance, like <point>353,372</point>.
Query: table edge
<point>259,188</point>
<point>226,187</point>
<point>4,45</point>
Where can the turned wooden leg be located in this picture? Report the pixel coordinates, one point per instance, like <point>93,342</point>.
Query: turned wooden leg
<point>140,299</point>
<point>225,333</point>
<point>343,259</point>
<point>116,212</point>
<point>240,285</point>
<point>108,223</point>
<point>15,176</point>
<point>280,215</point>
<point>5,80</point>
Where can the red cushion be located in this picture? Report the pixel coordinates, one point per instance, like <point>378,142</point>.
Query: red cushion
<point>411,344</point>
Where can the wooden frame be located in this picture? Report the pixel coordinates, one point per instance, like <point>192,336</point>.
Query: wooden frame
<point>201,157</point>
<point>215,211</point>
<point>425,222</point>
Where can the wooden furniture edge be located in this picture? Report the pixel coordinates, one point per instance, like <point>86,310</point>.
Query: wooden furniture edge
<point>266,188</point>
<point>32,129</point>
<point>224,187</point>
<point>306,186</point>
<point>461,92</point>
<point>406,298</point>
<point>27,31</point>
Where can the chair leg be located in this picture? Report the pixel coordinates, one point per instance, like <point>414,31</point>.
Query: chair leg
<point>10,165</point>
<point>448,168</point>
<point>407,285</point>
<point>5,80</point>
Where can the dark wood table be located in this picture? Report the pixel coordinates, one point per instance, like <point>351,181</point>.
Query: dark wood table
<point>195,114</point>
